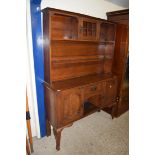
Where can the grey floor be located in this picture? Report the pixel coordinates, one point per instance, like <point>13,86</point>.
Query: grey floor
<point>96,134</point>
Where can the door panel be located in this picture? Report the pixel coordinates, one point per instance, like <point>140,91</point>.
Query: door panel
<point>72,105</point>
<point>88,29</point>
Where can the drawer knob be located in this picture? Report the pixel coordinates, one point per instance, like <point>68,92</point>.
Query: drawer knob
<point>110,86</point>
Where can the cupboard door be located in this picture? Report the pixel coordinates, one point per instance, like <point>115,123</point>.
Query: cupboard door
<point>88,29</point>
<point>109,96</point>
<point>72,105</point>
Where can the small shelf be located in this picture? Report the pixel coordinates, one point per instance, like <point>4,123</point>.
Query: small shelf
<point>89,108</point>
<point>107,32</point>
<point>80,40</point>
<point>76,40</point>
<point>64,27</point>
<point>77,59</point>
<point>111,42</point>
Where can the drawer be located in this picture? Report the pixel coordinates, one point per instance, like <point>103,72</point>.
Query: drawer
<point>92,89</point>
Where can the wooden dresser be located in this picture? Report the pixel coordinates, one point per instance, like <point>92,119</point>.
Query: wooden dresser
<point>78,59</point>
<point>121,58</point>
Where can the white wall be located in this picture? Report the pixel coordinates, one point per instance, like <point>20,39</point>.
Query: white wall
<point>96,8</point>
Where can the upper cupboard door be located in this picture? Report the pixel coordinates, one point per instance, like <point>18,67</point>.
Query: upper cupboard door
<point>89,29</point>
<point>63,26</point>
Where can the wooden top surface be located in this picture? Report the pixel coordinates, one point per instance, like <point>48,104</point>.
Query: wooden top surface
<point>47,9</point>
<point>76,82</point>
<point>119,12</point>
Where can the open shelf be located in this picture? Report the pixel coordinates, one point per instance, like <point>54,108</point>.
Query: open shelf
<point>77,59</point>
<point>107,32</point>
<point>64,27</point>
<point>81,40</point>
<point>89,108</point>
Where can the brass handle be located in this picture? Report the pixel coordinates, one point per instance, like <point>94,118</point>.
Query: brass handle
<point>93,88</point>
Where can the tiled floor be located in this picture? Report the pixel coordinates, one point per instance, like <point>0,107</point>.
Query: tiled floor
<point>96,134</point>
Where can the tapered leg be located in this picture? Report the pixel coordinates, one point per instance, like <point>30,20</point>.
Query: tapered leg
<point>48,128</point>
<point>57,134</point>
<point>113,111</point>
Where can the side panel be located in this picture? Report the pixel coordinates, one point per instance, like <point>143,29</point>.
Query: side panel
<point>46,46</point>
<point>50,102</point>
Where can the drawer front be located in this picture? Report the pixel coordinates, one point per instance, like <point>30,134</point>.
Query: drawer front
<point>92,90</point>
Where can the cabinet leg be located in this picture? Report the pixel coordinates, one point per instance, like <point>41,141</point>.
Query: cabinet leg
<point>57,134</point>
<point>113,111</point>
<point>48,128</point>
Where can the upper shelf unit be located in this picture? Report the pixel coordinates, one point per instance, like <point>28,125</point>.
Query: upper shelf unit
<point>74,27</point>
<point>76,45</point>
